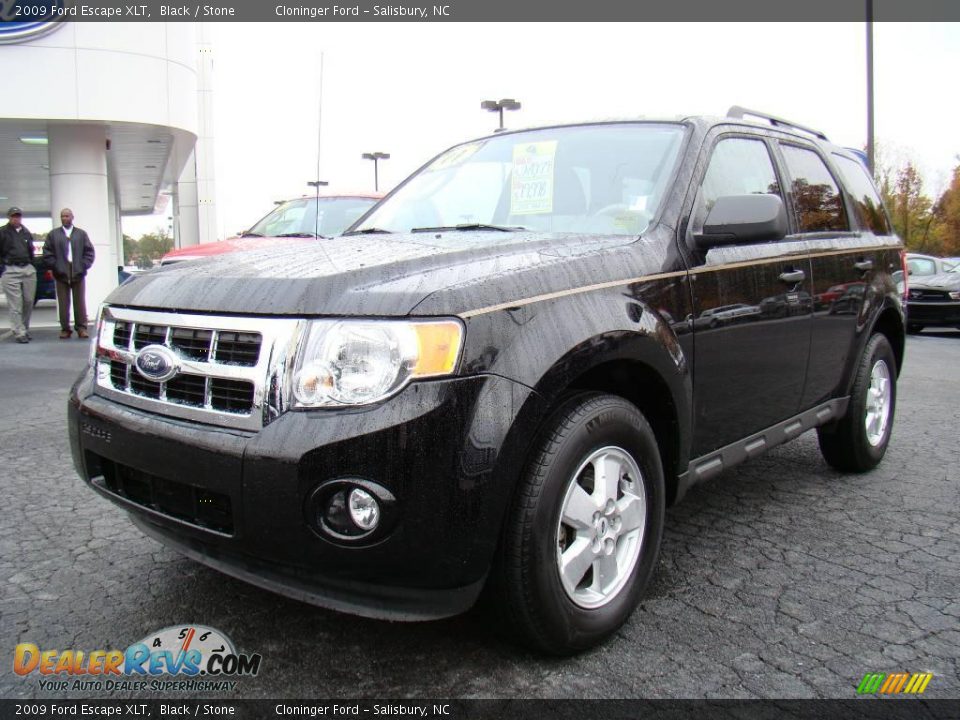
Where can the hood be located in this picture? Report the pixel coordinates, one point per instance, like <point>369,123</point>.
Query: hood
<point>943,281</point>
<point>234,244</point>
<point>379,275</point>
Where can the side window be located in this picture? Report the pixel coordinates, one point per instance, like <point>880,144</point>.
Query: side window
<point>815,193</point>
<point>867,203</point>
<point>921,266</point>
<point>739,166</point>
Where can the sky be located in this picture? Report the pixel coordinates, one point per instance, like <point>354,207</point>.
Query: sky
<point>413,89</point>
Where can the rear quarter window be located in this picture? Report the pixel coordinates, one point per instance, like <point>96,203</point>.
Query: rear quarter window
<point>867,205</point>
<point>816,197</point>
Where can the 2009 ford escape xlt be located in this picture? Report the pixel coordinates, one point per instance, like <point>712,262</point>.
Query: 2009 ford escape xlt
<point>505,371</point>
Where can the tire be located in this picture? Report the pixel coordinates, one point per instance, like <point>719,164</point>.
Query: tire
<point>586,432</point>
<point>849,444</point>
<point>914,328</point>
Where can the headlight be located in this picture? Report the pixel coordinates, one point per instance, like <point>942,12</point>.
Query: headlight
<point>358,362</point>
<point>955,296</point>
<point>95,336</point>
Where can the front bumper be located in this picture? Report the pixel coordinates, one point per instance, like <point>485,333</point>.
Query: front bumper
<point>946,314</point>
<point>236,500</point>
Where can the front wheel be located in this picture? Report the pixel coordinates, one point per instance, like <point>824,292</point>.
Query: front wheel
<point>858,441</point>
<point>584,529</point>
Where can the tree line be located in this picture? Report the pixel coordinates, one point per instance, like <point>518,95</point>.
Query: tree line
<point>148,249</point>
<point>926,225</point>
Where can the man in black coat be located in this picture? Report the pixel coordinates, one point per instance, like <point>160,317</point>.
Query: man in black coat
<point>69,253</point>
<point>19,276</point>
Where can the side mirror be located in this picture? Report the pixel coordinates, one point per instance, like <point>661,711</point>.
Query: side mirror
<point>743,219</point>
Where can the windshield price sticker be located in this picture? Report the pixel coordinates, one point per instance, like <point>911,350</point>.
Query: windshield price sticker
<point>531,185</point>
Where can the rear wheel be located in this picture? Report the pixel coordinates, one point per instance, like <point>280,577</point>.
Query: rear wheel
<point>858,441</point>
<point>584,529</point>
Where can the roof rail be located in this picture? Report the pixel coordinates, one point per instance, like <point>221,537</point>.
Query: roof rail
<point>740,112</point>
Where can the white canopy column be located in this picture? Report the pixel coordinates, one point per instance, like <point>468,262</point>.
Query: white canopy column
<point>78,180</point>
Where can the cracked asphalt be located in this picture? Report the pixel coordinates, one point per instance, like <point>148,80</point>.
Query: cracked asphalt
<point>781,578</point>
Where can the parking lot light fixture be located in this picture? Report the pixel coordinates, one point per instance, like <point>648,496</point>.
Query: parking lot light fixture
<point>498,106</point>
<point>376,157</point>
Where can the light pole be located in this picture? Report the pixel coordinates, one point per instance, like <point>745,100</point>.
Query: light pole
<point>498,106</point>
<point>376,157</point>
<point>870,149</point>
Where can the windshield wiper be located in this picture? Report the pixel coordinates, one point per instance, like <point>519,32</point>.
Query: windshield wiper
<point>469,226</point>
<point>250,234</point>
<point>369,231</point>
<point>302,234</point>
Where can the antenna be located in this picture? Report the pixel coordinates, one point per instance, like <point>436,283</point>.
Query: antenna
<point>316,209</point>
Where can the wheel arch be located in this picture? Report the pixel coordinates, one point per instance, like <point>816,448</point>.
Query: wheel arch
<point>890,323</point>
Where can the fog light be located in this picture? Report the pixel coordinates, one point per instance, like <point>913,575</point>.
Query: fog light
<point>351,510</point>
<point>364,509</point>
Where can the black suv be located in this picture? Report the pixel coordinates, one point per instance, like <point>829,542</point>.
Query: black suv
<point>504,373</point>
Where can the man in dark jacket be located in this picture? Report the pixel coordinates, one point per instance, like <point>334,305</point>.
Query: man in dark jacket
<point>19,275</point>
<point>69,253</point>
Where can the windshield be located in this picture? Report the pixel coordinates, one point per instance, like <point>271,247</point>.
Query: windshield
<point>303,216</point>
<point>602,179</point>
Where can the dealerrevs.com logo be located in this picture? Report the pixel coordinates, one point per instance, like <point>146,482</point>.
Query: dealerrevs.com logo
<point>199,657</point>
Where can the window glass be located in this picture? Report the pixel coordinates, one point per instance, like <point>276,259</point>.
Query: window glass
<point>866,201</point>
<point>816,196</point>
<point>921,266</point>
<point>330,216</point>
<point>739,166</point>
<point>594,179</point>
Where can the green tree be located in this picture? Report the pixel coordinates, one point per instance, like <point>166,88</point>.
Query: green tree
<point>131,250</point>
<point>910,209</point>
<point>946,213</point>
<point>155,245</point>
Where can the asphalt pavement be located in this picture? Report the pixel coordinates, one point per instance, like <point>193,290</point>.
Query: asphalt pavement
<point>781,578</point>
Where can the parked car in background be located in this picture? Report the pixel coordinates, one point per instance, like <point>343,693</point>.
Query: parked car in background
<point>46,285</point>
<point>934,301</point>
<point>304,217</point>
<point>923,265</point>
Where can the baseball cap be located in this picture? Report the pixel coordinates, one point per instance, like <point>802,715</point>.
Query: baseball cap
<point>14,211</point>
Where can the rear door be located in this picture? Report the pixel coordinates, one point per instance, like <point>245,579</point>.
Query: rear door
<point>752,307</point>
<point>843,252</point>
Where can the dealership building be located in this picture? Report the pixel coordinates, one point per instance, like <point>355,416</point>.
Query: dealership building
<point>111,120</point>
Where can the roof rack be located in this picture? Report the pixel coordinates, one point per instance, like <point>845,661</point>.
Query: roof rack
<point>740,112</point>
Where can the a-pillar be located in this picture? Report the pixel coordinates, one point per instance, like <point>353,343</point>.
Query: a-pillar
<point>78,180</point>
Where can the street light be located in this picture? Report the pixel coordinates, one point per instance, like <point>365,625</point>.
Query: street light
<point>871,157</point>
<point>498,106</point>
<point>317,184</point>
<point>376,157</point>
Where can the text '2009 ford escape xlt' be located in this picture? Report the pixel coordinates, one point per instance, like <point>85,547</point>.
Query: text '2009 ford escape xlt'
<point>505,371</point>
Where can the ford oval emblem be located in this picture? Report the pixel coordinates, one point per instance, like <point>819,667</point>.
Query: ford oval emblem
<point>157,363</point>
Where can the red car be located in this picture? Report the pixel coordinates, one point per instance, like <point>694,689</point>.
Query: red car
<point>304,217</point>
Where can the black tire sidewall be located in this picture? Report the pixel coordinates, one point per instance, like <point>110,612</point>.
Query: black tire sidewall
<point>878,348</point>
<point>613,423</point>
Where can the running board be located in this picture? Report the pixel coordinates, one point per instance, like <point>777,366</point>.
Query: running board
<point>733,454</point>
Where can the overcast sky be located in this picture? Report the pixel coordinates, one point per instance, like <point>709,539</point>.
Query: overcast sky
<point>413,89</point>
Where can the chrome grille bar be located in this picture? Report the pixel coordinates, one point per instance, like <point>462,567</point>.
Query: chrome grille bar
<point>269,376</point>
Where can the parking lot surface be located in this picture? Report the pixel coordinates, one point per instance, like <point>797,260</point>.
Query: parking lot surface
<point>781,578</point>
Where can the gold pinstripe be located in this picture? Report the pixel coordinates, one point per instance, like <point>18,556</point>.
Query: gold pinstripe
<point>663,276</point>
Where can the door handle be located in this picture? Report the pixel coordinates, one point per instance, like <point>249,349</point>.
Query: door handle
<point>864,265</point>
<point>793,277</point>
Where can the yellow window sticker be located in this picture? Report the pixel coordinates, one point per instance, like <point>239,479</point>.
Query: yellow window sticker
<point>455,156</point>
<point>531,185</point>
